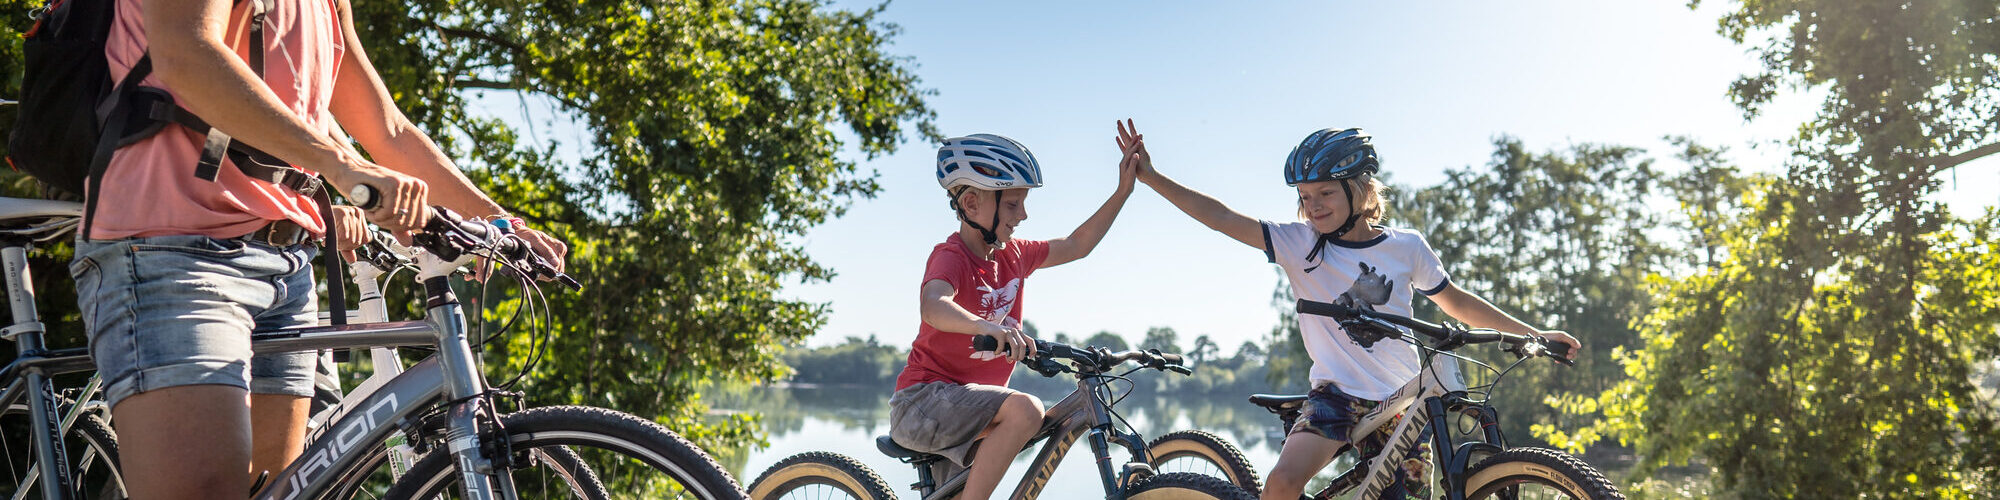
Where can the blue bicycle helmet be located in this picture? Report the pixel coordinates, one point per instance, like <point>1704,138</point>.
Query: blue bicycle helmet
<point>1333,155</point>
<point>1329,155</point>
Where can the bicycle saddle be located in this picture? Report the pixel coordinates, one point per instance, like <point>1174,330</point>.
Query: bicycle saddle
<point>889,447</point>
<point>1277,401</point>
<point>21,208</point>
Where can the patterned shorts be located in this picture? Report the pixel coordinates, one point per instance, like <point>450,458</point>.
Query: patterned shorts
<point>1332,414</point>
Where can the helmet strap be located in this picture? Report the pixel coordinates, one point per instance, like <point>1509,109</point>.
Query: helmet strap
<point>1352,215</point>
<point>985,234</point>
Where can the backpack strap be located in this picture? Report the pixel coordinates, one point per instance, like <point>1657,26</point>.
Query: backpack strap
<point>116,110</point>
<point>217,142</point>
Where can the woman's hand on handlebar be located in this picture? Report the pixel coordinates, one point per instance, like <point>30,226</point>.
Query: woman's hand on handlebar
<point>352,227</point>
<point>548,247</point>
<point>398,203</point>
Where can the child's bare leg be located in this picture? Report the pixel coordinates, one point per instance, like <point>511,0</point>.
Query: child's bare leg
<point>1012,427</point>
<point>1305,454</point>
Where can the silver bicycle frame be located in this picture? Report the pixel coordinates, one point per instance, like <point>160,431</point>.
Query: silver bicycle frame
<point>450,375</point>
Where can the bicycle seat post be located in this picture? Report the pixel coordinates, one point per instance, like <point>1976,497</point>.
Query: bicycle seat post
<point>27,328</point>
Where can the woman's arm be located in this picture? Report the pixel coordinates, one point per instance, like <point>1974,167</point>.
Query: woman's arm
<point>185,40</point>
<point>362,105</point>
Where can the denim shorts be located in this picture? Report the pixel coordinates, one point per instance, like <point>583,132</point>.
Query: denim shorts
<point>171,311</point>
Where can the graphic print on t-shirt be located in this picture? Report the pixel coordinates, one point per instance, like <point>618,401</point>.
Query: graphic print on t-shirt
<point>998,306</point>
<point>1370,289</point>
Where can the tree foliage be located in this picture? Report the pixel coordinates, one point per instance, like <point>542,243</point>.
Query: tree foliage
<point>1827,352</point>
<point>1562,240</point>
<point>711,142</point>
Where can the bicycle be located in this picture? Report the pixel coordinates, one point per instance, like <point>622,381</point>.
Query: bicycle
<point>1475,469</point>
<point>46,416</point>
<point>87,424</point>
<point>1089,410</point>
<point>444,404</point>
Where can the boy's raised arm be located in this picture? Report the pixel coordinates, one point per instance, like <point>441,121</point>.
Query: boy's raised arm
<point>1080,242</point>
<point>1202,207</point>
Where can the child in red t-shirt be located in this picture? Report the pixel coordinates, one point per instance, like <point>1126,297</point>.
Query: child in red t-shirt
<point>950,399</point>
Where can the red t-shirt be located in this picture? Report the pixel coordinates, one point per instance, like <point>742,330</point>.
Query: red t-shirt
<point>988,288</point>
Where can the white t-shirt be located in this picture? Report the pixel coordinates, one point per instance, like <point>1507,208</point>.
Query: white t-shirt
<point>1379,274</point>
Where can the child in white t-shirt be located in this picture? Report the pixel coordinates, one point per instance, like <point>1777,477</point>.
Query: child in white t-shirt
<point>1338,254</point>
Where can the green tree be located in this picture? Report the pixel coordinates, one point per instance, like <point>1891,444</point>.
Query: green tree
<point>1204,349</point>
<point>1249,352</point>
<point>1163,338</point>
<point>1107,340</point>
<point>711,144</point>
<point>1288,365</point>
<point>1827,352</point>
<point>1562,240</point>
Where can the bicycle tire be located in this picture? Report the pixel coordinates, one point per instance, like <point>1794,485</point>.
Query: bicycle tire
<point>818,475</point>
<point>92,448</point>
<point>1226,461</point>
<point>592,434</point>
<point>1504,474</point>
<point>1186,486</point>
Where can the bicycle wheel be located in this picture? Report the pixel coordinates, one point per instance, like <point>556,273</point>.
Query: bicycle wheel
<point>1529,473</point>
<point>1204,453</point>
<point>1186,486</point>
<point>608,455</point>
<point>820,475</point>
<point>91,446</point>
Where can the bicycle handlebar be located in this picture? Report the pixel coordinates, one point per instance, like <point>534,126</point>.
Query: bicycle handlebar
<point>1094,358</point>
<point>1367,326</point>
<point>449,237</point>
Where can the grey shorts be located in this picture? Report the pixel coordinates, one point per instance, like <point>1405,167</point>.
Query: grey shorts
<point>944,418</point>
<point>170,311</point>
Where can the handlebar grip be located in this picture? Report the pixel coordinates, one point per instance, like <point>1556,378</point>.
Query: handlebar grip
<point>1324,309</point>
<point>1559,349</point>
<point>363,196</point>
<point>985,343</point>
<point>1172,359</point>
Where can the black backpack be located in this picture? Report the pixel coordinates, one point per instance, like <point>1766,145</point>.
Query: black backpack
<point>57,130</point>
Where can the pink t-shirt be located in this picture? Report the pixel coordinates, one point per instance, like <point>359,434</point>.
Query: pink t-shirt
<point>988,288</point>
<point>150,188</point>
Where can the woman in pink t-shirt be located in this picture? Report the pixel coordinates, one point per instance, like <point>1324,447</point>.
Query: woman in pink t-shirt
<point>194,410</point>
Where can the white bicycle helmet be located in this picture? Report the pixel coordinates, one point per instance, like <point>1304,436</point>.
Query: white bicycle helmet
<point>986,161</point>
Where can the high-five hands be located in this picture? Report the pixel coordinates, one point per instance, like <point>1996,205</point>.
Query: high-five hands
<point>1134,158</point>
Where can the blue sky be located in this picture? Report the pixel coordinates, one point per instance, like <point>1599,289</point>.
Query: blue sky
<point>1223,90</point>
